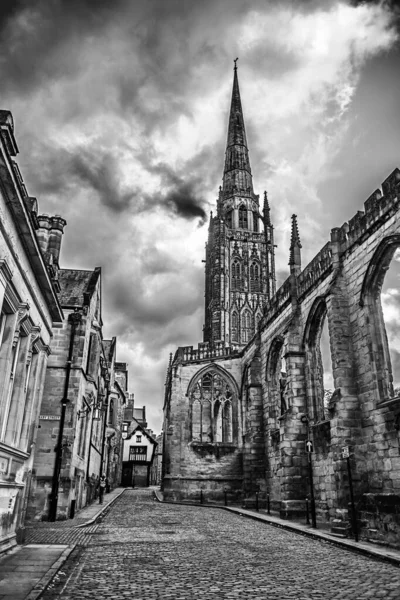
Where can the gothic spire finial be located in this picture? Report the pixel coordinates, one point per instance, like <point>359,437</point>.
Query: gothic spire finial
<point>266,210</point>
<point>235,61</point>
<point>295,244</point>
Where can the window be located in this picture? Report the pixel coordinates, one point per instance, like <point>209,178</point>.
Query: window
<point>379,296</point>
<point>138,453</point>
<point>234,327</point>
<point>319,363</point>
<point>243,224</point>
<point>247,330</point>
<point>139,439</point>
<point>236,271</point>
<point>211,409</point>
<point>255,280</point>
<point>229,218</point>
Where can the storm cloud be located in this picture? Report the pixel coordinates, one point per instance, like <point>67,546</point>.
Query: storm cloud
<point>121,111</point>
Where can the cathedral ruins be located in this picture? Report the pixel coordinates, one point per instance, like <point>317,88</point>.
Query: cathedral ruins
<point>246,413</point>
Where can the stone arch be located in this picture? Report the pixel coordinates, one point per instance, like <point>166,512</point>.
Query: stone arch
<point>212,392</point>
<point>314,364</point>
<point>370,300</point>
<point>235,326</point>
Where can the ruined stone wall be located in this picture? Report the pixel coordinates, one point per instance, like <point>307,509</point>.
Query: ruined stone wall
<point>193,466</point>
<point>280,411</point>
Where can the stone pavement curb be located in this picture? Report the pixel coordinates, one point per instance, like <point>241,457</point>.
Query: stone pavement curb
<point>47,578</point>
<point>101,511</point>
<point>364,548</point>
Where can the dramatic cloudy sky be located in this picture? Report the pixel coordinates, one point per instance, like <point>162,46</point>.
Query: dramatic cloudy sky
<point>121,109</point>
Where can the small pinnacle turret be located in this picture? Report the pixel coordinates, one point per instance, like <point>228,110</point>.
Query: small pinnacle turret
<point>295,247</point>
<point>267,211</point>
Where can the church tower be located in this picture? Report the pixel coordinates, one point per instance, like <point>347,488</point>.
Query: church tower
<point>239,265</point>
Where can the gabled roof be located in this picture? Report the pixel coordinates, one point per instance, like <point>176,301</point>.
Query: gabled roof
<point>76,285</point>
<point>143,430</point>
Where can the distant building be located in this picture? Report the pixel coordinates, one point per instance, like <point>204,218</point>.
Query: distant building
<point>139,447</point>
<point>29,306</point>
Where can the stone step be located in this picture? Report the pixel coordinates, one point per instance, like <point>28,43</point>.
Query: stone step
<point>338,535</point>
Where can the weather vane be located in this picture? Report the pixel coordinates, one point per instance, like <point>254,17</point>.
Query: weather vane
<point>235,61</point>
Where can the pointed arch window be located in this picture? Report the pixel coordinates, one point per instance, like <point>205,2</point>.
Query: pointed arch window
<point>235,327</point>
<point>255,279</point>
<point>247,332</point>
<point>236,271</point>
<point>211,409</point>
<point>229,218</point>
<point>243,222</point>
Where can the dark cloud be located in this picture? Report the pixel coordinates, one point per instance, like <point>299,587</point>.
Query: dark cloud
<point>181,195</point>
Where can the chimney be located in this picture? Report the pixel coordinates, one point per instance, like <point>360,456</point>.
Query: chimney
<point>55,237</point>
<point>42,233</point>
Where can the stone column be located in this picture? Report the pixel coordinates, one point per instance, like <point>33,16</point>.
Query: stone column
<point>294,433</point>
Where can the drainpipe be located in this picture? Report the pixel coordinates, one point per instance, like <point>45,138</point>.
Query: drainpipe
<point>104,426</point>
<point>74,319</point>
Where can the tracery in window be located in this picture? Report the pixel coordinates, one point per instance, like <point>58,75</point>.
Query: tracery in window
<point>255,279</point>
<point>211,409</point>
<point>247,329</point>
<point>235,327</point>
<point>243,222</point>
<point>236,271</point>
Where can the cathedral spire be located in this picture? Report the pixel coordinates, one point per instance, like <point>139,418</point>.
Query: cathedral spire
<point>237,179</point>
<point>295,246</point>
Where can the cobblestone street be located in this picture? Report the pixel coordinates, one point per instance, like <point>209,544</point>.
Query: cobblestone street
<point>148,551</point>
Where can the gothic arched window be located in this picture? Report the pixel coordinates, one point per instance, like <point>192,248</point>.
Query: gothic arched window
<point>236,271</point>
<point>229,218</point>
<point>243,224</point>
<point>255,280</point>
<point>235,327</point>
<point>211,409</point>
<point>246,326</point>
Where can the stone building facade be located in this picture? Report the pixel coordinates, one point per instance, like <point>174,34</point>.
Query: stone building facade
<point>82,406</point>
<point>28,308</point>
<point>238,417</point>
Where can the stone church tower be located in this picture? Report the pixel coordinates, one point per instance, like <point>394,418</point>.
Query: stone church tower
<point>240,269</point>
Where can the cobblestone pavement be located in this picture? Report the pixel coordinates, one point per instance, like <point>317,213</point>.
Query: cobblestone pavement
<point>149,551</point>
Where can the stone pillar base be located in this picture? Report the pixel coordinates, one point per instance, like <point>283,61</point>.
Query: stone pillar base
<point>292,509</point>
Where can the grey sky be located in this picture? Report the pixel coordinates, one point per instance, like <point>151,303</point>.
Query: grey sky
<point>121,113</point>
